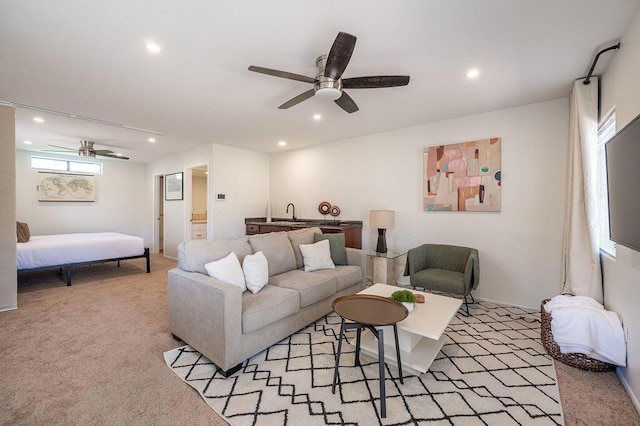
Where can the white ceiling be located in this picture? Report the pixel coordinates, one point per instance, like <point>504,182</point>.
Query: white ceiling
<point>88,58</point>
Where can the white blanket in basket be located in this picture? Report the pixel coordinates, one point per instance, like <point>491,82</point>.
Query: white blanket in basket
<point>579,324</point>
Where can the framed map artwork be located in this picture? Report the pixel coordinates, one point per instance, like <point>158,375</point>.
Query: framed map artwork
<point>65,187</point>
<point>463,176</point>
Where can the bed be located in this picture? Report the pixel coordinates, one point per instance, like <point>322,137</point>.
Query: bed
<point>66,251</point>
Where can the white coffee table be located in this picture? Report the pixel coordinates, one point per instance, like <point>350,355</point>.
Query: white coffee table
<point>420,335</point>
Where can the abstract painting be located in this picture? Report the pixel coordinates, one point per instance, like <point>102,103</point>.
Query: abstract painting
<point>463,176</point>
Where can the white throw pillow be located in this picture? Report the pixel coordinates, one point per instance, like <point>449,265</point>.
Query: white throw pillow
<point>227,269</point>
<point>317,256</point>
<point>256,271</point>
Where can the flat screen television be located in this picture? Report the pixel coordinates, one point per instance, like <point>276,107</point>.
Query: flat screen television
<point>623,181</point>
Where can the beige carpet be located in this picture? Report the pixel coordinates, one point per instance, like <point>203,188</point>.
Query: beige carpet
<point>93,354</point>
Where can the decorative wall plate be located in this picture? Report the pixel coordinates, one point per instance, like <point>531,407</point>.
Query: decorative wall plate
<point>324,207</point>
<point>335,211</point>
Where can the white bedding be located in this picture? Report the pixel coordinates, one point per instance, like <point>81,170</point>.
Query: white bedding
<point>53,250</point>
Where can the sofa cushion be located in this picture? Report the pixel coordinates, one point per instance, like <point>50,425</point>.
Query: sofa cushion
<point>336,246</point>
<point>301,236</point>
<point>344,275</point>
<point>276,247</point>
<point>194,254</point>
<point>312,286</point>
<point>317,256</point>
<point>256,271</point>
<point>227,269</point>
<point>271,304</point>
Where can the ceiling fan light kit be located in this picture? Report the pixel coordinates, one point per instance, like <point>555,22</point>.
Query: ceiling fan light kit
<point>86,149</point>
<point>330,93</point>
<point>328,83</point>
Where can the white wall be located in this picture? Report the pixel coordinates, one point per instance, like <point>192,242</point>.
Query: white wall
<point>520,247</point>
<point>240,174</point>
<point>243,176</point>
<point>8,283</point>
<point>620,89</point>
<point>118,207</point>
<point>176,215</point>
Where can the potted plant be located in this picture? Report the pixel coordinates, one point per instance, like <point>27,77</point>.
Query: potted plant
<point>406,297</point>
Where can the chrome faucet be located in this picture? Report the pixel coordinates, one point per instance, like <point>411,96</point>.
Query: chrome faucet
<point>294,211</point>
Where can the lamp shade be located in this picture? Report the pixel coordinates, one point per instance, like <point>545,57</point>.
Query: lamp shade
<point>382,219</point>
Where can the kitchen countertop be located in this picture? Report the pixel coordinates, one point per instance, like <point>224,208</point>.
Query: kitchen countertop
<point>305,223</point>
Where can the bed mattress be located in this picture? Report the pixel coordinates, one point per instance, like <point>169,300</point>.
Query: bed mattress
<point>54,250</point>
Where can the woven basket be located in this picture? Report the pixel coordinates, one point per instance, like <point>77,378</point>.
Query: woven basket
<point>581,361</point>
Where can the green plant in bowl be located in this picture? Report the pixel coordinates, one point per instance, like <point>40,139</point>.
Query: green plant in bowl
<point>406,297</point>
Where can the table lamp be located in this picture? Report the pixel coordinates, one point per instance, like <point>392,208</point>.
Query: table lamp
<point>381,219</point>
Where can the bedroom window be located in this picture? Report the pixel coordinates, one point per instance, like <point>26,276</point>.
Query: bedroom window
<point>605,132</point>
<point>65,165</point>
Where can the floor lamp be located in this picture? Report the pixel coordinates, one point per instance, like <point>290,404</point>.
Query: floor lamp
<point>381,219</point>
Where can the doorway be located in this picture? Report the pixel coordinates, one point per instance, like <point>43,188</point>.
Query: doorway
<point>199,200</point>
<point>158,231</point>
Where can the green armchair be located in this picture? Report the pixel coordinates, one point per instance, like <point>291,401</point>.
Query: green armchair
<point>450,269</point>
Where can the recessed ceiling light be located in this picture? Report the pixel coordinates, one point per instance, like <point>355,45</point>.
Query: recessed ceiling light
<point>153,47</point>
<point>473,73</point>
<point>27,142</point>
<point>38,119</point>
<point>152,140</point>
<point>282,143</point>
<point>317,117</point>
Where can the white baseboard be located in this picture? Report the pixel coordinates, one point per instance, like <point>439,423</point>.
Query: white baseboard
<point>627,387</point>
<point>8,308</point>
<point>500,302</point>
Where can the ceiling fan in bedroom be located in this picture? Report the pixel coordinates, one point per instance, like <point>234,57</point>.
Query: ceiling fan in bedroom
<point>328,83</point>
<point>86,150</point>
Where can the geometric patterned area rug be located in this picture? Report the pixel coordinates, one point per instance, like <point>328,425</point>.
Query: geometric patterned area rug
<point>492,370</point>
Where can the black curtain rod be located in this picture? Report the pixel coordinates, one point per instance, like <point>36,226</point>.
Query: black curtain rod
<point>595,60</point>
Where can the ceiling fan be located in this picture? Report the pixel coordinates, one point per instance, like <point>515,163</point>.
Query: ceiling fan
<point>328,83</point>
<point>86,150</point>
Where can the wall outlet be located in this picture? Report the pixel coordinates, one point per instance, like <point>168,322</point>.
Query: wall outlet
<point>221,196</point>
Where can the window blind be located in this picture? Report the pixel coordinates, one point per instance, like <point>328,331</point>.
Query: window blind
<point>606,131</point>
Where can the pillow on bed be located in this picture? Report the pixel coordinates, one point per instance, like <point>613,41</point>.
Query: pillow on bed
<point>22,231</point>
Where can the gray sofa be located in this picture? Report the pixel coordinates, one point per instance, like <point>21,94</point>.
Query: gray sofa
<point>229,326</point>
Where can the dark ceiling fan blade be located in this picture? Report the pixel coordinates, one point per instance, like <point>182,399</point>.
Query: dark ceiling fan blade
<point>103,151</point>
<point>375,82</point>
<point>63,147</point>
<point>281,74</point>
<point>295,101</point>
<point>346,103</point>
<point>339,55</point>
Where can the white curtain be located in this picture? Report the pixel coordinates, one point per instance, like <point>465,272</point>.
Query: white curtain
<point>582,275</point>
